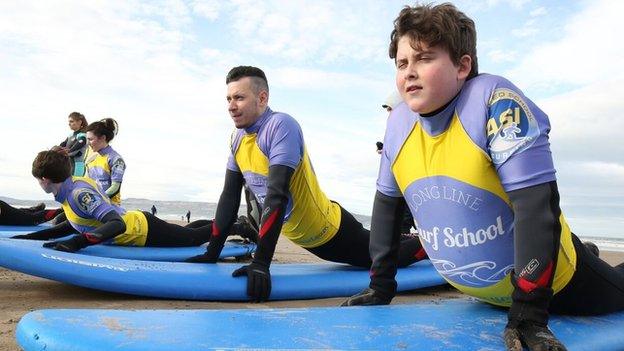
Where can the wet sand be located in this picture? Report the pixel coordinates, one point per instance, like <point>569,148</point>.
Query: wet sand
<point>20,294</point>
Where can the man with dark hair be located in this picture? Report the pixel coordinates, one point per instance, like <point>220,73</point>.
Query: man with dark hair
<point>269,155</point>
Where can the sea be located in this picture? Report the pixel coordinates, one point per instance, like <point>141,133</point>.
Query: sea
<point>176,210</point>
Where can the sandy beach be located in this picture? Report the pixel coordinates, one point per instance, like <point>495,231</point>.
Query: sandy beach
<point>20,294</point>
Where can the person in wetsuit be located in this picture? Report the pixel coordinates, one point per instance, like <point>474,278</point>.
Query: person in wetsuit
<point>104,164</point>
<point>38,214</point>
<point>269,156</point>
<point>76,142</point>
<point>470,155</point>
<point>95,219</point>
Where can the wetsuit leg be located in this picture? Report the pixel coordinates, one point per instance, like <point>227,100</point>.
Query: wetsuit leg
<point>199,223</point>
<point>350,245</point>
<point>164,234</point>
<point>10,215</point>
<point>595,288</point>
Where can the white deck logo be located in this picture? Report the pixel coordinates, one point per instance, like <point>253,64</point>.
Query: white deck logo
<point>84,263</point>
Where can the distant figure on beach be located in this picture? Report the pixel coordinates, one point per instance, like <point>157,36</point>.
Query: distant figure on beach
<point>76,142</point>
<point>104,164</point>
<point>188,216</point>
<point>268,154</point>
<point>391,102</point>
<point>154,211</point>
<point>34,215</point>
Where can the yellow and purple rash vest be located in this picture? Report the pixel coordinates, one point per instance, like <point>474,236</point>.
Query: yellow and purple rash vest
<point>310,219</point>
<point>105,167</point>
<point>454,170</point>
<point>85,205</point>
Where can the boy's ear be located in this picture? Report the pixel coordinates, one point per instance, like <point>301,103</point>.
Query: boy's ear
<point>465,65</point>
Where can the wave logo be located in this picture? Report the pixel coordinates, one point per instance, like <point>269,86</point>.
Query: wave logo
<point>511,127</point>
<point>476,274</point>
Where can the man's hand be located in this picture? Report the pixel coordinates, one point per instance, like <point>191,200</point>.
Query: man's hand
<point>203,258</point>
<point>535,337</point>
<point>368,297</point>
<point>258,281</point>
<point>70,245</point>
<point>26,237</point>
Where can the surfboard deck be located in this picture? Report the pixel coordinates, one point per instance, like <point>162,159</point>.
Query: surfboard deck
<point>8,230</point>
<point>462,324</point>
<point>195,281</point>
<point>169,254</point>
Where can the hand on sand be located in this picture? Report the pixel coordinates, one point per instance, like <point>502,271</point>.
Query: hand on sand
<point>367,297</point>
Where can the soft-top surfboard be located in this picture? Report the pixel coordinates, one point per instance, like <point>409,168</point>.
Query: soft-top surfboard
<point>171,254</point>
<point>461,324</point>
<point>10,230</point>
<point>168,254</point>
<point>195,281</point>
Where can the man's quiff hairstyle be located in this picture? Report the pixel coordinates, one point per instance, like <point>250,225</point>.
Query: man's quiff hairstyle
<point>442,26</point>
<point>256,75</point>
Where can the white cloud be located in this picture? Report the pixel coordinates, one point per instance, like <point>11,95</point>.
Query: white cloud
<point>501,56</point>
<point>540,11</point>
<point>322,31</point>
<point>587,52</point>
<point>208,9</point>
<point>527,30</point>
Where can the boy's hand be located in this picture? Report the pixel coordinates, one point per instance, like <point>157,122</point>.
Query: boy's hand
<point>535,337</point>
<point>26,237</point>
<point>368,297</point>
<point>203,258</point>
<point>69,245</point>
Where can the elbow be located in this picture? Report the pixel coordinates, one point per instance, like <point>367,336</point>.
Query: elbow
<point>122,227</point>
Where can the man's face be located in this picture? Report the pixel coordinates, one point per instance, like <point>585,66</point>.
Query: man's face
<point>244,105</point>
<point>427,78</point>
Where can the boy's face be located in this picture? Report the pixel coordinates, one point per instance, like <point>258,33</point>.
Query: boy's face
<point>427,78</point>
<point>45,184</point>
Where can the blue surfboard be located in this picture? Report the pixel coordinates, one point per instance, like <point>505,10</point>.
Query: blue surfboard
<point>194,281</point>
<point>461,324</point>
<point>171,254</point>
<point>10,230</point>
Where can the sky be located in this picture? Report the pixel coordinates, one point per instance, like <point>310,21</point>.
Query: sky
<point>158,68</point>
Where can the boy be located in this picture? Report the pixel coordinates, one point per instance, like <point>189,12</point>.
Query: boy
<point>470,155</point>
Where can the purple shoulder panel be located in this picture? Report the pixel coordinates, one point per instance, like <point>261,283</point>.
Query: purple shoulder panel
<point>399,125</point>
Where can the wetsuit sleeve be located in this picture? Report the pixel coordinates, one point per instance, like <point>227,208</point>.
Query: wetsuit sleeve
<point>58,231</point>
<point>77,146</point>
<point>537,229</point>
<point>118,168</point>
<point>384,242</point>
<point>63,143</point>
<point>112,225</point>
<point>227,210</point>
<point>273,213</point>
<point>113,189</point>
